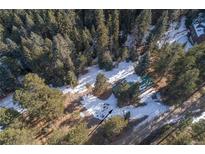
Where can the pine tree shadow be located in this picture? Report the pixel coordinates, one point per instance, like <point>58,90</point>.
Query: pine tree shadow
<point>73,106</point>
<point>99,138</point>
<point>91,121</point>
<point>68,122</point>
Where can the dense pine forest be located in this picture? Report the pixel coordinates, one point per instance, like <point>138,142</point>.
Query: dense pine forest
<point>58,44</point>
<point>41,50</point>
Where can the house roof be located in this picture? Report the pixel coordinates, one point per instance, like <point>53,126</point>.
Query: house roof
<point>199,24</point>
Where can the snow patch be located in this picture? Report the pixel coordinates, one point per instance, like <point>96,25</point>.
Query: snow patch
<point>1,128</point>
<point>144,40</point>
<point>121,71</point>
<point>100,108</point>
<point>177,33</point>
<point>197,119</point>
<point>130,42</point>
<point>82,114</point>
<point>196,111</point>
<point>174,120</point>
<point>8,103</point>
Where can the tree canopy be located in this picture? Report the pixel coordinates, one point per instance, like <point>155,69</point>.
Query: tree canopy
<point>39,100</point>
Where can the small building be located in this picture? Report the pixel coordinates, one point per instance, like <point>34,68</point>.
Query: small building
<point>197,29</point>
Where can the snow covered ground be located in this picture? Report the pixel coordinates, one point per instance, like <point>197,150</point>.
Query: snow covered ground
<point>151,27</point>
<point>174,120</point>
<point>196,119</point>
<point>8,102</point>
<point>177,32</point>
<point>100,108</point>
<point>130,42</point>
<point>1,128</point>
<point>123,70</point>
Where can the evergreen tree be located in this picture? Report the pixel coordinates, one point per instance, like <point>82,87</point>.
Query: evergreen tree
<point>29,22</point>
<point>127,21</point>
<point>51,23</point>
<point>199,53</point>
<point>160,27</point>
<point>127,93</point>
<point>8,81</point>
<point>39,20</point>
<point>82,62</point>
<point>12,65</point>
<point>78,134</point>
<point>142,65</point>
<point>142,24</point>
<point>77,39</point>
<point>182,86</point>
<point>134,93</point>
<point>17,20</point>
<point>56,137</point>
<point>71,79</point>
<point>63,48</point>
<point>116,29</point>
<point>12,136</point>
<point>7,116</point>
<point>106,61</point>
<point>66,22</point>
<point>86,39</point>
<point>114,126</point>
<point>122,92</point>
<point>34,53</point>
<point>102,39</point>
<point>101,84</point>
<point>198,131</point>
<point>168,57</point>
<point>1,32</point>
<point>125,54</point>
<point>39,100</point>
<point>174,14</point>
<point>182,139</point>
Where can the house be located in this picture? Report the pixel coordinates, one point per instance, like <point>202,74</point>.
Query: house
<point>197,29</point>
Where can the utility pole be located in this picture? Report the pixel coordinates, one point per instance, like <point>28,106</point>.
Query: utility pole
<point>100,123</point>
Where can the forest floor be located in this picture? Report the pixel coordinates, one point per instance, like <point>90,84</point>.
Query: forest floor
<point>71,117</point>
